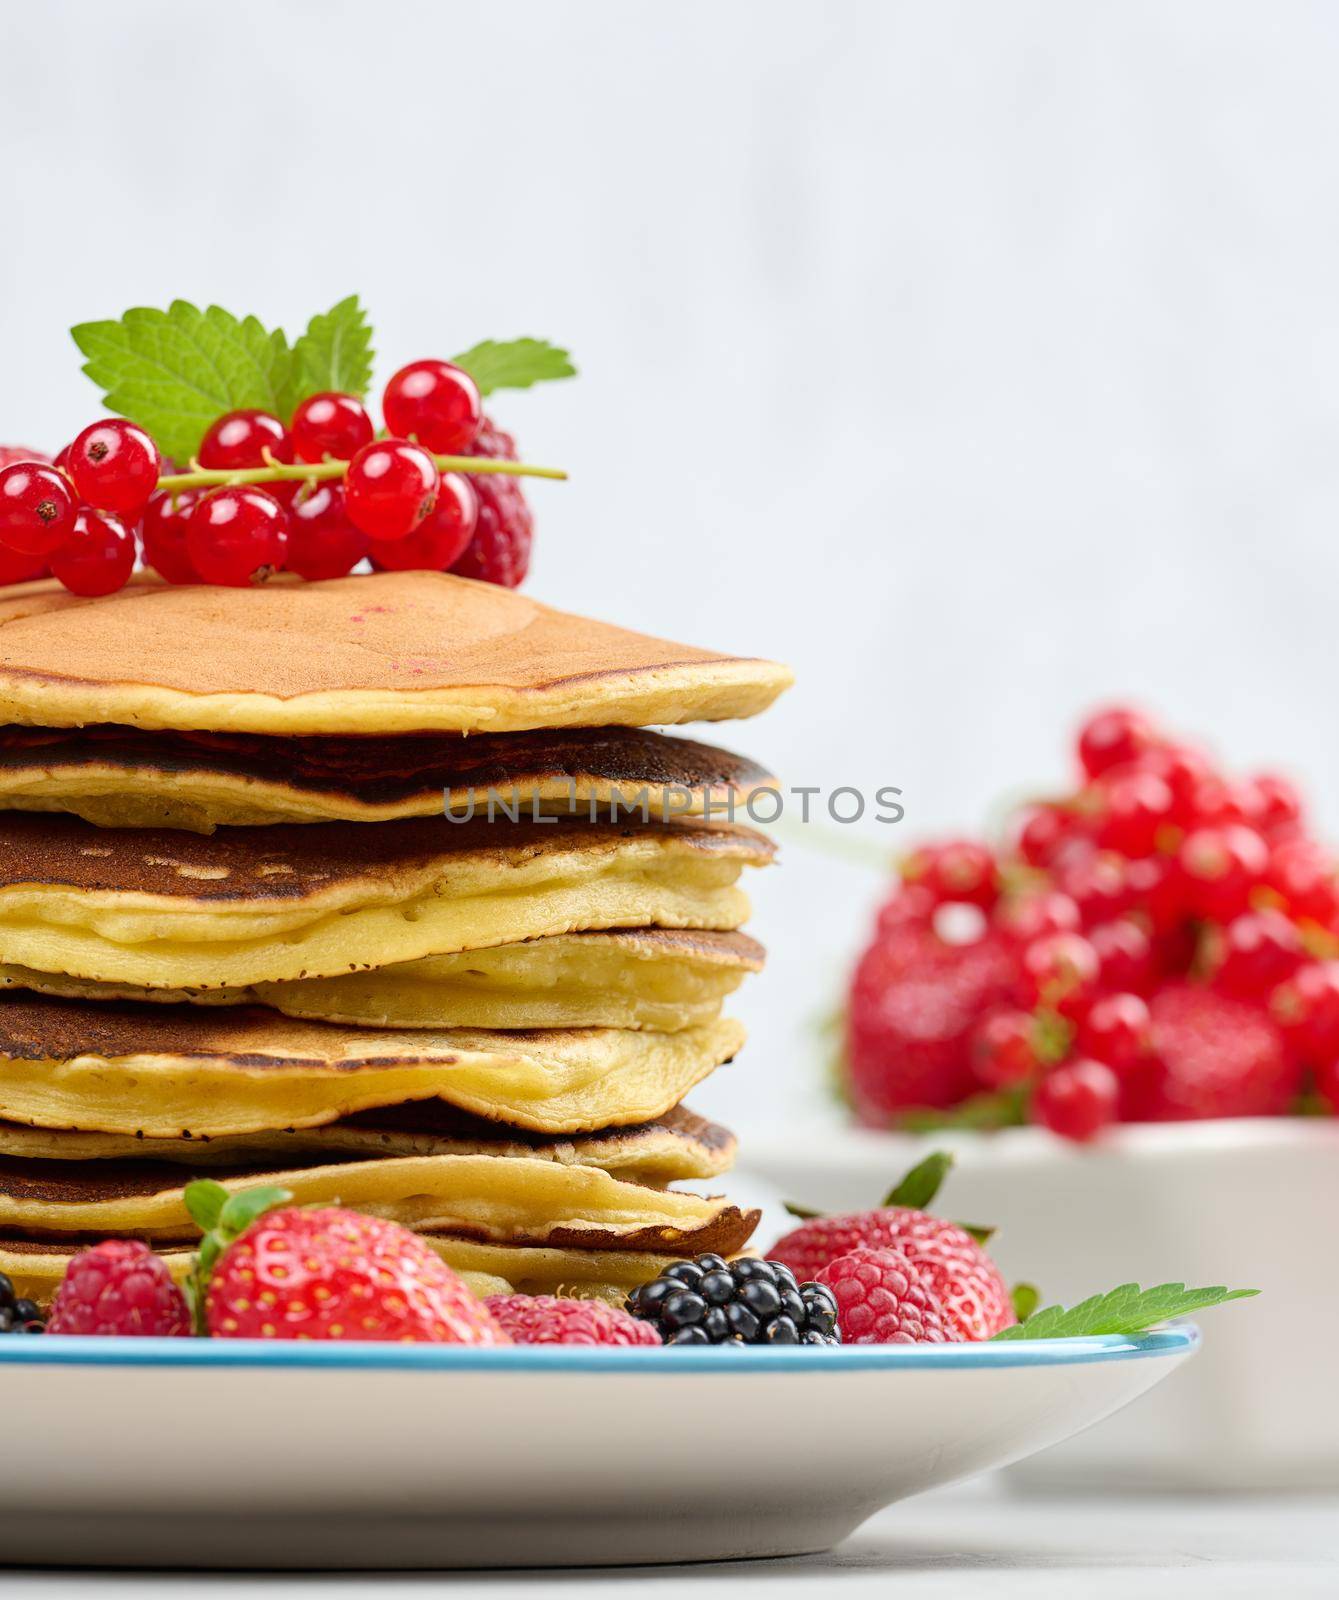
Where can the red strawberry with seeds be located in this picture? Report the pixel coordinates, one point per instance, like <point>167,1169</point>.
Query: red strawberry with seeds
<point>914,1001</point>
<point>1211,1055</point>
<point>268,1271</point>
<point>972,1296</point>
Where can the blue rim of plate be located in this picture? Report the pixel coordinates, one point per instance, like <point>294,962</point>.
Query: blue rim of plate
<point>44,1350</point>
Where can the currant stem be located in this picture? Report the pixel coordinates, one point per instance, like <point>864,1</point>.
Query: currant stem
<point>206,477</point>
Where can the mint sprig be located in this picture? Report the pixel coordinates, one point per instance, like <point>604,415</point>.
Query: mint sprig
<point>1128,1309</point>
<point>514,364</point>
<point>173,372</point>
<point>335,353</point>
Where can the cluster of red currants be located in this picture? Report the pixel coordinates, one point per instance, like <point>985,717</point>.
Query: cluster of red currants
<point>79,515</point>
<point>1160,943</point>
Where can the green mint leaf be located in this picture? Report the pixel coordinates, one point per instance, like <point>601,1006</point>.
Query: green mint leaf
<point>981,1112</point>
<point>1026,1297</point>
<point>1128,1309</point>
<point>804,1213</point>
<point>514,363</point>
<point>205,1201</point>
<point>921,1184</point>
<point>334,353</point>
<point>173,372</point>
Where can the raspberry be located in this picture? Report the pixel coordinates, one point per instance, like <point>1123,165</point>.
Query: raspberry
<point>119,1287</point>
<point>327,1273</point>
<point>545,1319</point>
<point>972,1296</point>
<point>882,1299</point>
<point>913,1003</point>
<point>500,550</point>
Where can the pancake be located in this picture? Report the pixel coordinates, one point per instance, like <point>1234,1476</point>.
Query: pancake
<point>37,1265</point>
<point>394,652</point>
<point>514,1201</point>
<point>131,778</point>
<point>272,905</point>
<point>656,978</point>
<point>185,1072</point>
<point>677,1146</point>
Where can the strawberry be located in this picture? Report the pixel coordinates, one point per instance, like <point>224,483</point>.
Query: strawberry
<point>964,1280</point>
<point>270,1271</point>
<point>1211,1055</point>
<point>914,1001</point>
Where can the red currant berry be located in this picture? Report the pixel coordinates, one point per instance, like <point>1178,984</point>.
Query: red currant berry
<point>1126,954</point>
<point>1112,736</point>
<point>1099,885</point>
<point>957,870</point>
<point>1278,806</point>
<point>114,466</point>
<point>330,425</point>
<point>1181,767</point>
<point>167,519</point>
<point>909,902</point>
<point>1302,874</point>
<point>1043,831</point>
<point>36,508</point>
<point>1216,802</point>
<point>440,538</point>
<point>1219,867</point>
<point>237,536</point>
<point>239,440</point>
<point>1060,971</point>
<point>1306,1007</point>
<point>1027,915</point>
<point>1077,1100</point>
<point>1002,1050</point>
<point>15,568</point>
<point>1136,807</point>
<point>435,402</point>
<point>1117,1030</point>
<point>1154,887</point>
<point>1257,951</point>
<point>98,557</point>
<point>390,488</point>
<point>322,542</point>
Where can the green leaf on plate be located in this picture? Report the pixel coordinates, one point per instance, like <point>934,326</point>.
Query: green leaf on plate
<point>173,372</point>
<point>514,363</point>
<point>1128,1309</point>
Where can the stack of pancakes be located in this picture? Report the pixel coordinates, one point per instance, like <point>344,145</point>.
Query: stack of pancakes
<point>240,938</point>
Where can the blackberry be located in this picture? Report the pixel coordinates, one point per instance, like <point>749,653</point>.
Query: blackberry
<point>18,1315</point>
<point>713,1301</point>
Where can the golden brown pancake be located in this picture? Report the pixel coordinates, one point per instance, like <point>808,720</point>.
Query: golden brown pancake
<point>133,778</point>
<point>270,905</point>
<point>396,652</point>
<point>182,1072</point>
<point>678,1146</point>
<point>663,979</point>
<point>516,1200</point>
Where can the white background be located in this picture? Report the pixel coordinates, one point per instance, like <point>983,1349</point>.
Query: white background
<point>980,360</point>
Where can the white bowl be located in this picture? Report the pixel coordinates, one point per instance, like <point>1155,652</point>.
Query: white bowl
<point>214,1453</point>
<point>1251,1204</point>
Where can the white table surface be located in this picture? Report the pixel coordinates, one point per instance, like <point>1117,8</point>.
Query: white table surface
<point>978,1541</point>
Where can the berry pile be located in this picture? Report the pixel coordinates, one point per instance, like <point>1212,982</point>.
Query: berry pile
<point>106,500</point>
<point>713,1301</point>
<point>1160,943</point>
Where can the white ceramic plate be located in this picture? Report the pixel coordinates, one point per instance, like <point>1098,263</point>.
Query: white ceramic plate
<point>212,1453</point>
<point>1236,1202</point>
